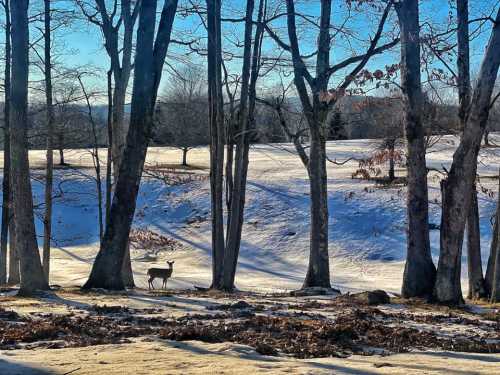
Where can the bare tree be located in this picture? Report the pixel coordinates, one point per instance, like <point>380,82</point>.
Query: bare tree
<point>419,274</point>
<point>6,193</point>
<point>476,280</point>
<point>317,110</point>
<point>49,173</point>
<point>114,28</point>
<point>216,118</point>
<point>32,276</point>
<point>182,112</point>
<point>150,57</point>
<point>457,188</point>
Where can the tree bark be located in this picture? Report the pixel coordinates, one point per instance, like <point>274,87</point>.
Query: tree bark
<point>241,160</point>
<point>6,193</point>
<point>32,276</point>
<point>475,268</point>
<point>419,273</point>
<point>214,57</point>
<point>490,269</point>
<point>250,72</point>
<point>493,271</point>
<point>49,171</point>
<point>457,188</point>
<point>150,56</point>
<point>14,271</point>
<point>475,272</point>
<point>109,159</point>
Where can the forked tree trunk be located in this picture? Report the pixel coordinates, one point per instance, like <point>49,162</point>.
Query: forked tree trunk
<point>216,115</point>
<point>237,202</point>
<point>457,188</point>
<point>419,273</point>
<point>477,288</point>
<point>49,172</point>
<point>6,193</point>
<point>32,276</point>
<point>250,74</point>
<point>150,56</point>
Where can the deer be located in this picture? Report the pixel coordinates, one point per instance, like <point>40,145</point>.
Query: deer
<point>161,273</point>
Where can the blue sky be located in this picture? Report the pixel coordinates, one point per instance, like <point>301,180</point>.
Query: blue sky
<point>86,45</point>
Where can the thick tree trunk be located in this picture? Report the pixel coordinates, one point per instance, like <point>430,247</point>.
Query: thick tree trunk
<point>6,193</point>
<point>419,273</point>
<point>32,276</point>
<point>49,172</point>
<point>475,268</point>
<point>457,188</point>
<point>107,269</point>
<point>216,139</point>
<point>318,271</point>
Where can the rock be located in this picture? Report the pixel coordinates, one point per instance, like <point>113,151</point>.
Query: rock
<point>375,297</point>
<point>241,305</point>
<point>315,291</point>
<point>265,349</point>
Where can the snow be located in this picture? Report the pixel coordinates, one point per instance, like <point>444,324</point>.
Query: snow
<point>367,223</point>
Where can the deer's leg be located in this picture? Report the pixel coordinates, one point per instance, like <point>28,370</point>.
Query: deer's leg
<point>151,279</point>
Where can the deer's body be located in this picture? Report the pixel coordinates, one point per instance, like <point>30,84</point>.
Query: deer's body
<point>160,273</point>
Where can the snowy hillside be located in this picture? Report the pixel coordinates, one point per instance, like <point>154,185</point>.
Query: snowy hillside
<point>367,222</point>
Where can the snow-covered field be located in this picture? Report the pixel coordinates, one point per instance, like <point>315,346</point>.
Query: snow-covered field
<point>367,222</point>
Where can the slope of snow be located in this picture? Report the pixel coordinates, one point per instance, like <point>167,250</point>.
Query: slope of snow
<point>367,223</point>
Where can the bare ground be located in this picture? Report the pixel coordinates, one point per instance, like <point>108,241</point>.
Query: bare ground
<point>202,332</point>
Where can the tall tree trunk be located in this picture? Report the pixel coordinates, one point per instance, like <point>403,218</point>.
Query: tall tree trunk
<point>49,173</point>
<point>475,271</point>
<point>240,162</point>
<point>109,159</point>
<point>32,276</point>
<point>250,74</point>
<point>419,273</point>
<point>457,188</point>
<point>318,272</point>
<point>475,268</point>
<point>107,268</point>
<point>492,281</point>
<point>216,116</point>
<point>6,193</point>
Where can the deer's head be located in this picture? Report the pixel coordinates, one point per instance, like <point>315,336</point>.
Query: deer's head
<point>170,263</point>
